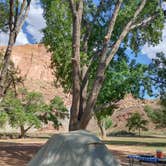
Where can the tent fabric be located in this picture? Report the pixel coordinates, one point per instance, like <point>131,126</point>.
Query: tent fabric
<point>77,148</point>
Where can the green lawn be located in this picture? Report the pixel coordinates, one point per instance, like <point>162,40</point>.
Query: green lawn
<point>142,144</point>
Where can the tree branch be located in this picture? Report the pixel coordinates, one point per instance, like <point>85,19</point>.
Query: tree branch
<point>11,15</point>
<point>73,7</point>
<point>90,27</point>
<point>112,21</point>
<point>107,37</point>
<point>106,106</point>
<point>22,16</point>
<point>125,32</point>
<point>143,22</point>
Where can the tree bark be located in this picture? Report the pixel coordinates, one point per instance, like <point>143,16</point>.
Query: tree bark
<point>77,10</point>
<point>6,64</point>
<point>22,132</point>
<point>102,129</point>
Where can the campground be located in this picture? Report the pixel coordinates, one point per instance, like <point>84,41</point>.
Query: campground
<point>14,152</point>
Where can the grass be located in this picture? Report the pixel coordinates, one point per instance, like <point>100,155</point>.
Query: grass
<point>137,144</point>
<point>144,144</point>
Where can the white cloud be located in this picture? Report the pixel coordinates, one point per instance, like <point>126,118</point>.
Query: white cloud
<point>35,23</point>
<point>21,39</point>
<point>35,20</point>
<point>151,51</point>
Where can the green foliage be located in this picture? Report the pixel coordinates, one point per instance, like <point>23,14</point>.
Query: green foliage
<point>54,111</point>
<point>58,38</point>
<point>12,77</point>
<point>23,110</point>
<point>157,70</point>
<point>29,110</point>
<point>158,116</point>
<point>3,15</point>
<point>136,122</point>
<point>3,118</point>
<point>108,122</point>
<point>123,75</point>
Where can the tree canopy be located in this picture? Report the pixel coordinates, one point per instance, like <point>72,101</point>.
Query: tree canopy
<point>28,109</point>
<point>88,41</point>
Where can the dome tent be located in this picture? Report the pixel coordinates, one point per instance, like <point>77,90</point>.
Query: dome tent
<point>77,148</point>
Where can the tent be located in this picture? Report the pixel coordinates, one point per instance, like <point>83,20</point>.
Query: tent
<point>77,148</point>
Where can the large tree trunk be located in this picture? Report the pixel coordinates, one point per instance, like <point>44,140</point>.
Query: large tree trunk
<point>77,10</point>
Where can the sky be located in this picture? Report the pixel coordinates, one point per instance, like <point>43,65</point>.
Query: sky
<point>31,31</point>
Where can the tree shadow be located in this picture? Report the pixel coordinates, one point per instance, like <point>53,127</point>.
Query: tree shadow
<point>17,153</point>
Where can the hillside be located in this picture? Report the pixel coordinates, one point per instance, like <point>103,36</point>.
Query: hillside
<point>33,63</point>
<point>128,106</point>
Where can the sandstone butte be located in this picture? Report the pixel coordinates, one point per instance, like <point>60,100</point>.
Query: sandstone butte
<point>34,66</point>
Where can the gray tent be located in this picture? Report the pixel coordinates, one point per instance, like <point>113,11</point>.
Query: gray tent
<point>77,148</point>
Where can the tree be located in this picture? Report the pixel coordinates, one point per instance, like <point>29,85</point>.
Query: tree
<point>28,110</point>
<point>158,116</point>
<point>157,71</point>
<point>98,32</point>
<point>125,76</point>
<point>54,111</point>
<point>17,12</point>
<point>104,121</point>
<point>136,122</point>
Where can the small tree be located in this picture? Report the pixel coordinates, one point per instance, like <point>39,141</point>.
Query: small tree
<point>136,122</point>
<point>54,111</point>
<point>104,121</point>
<point>28,110</point>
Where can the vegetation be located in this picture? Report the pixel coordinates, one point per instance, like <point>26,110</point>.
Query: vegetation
<point>28,110</point>
<point>4,16</point>
<point>14,14</point>
<point>157,71</point>
<point>136,122</point>
<point>158,116</point>
<point>99,35</point>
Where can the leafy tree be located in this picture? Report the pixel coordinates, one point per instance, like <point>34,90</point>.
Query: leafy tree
<point>28,110</point>
<point>157,71</point>
<point>4,16</point>
<point>54,111</point>
<point>158,116</point>
<point>104,120</point>
<point>98,31</point>
<point>136,122</point>
<point>16,11</point>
